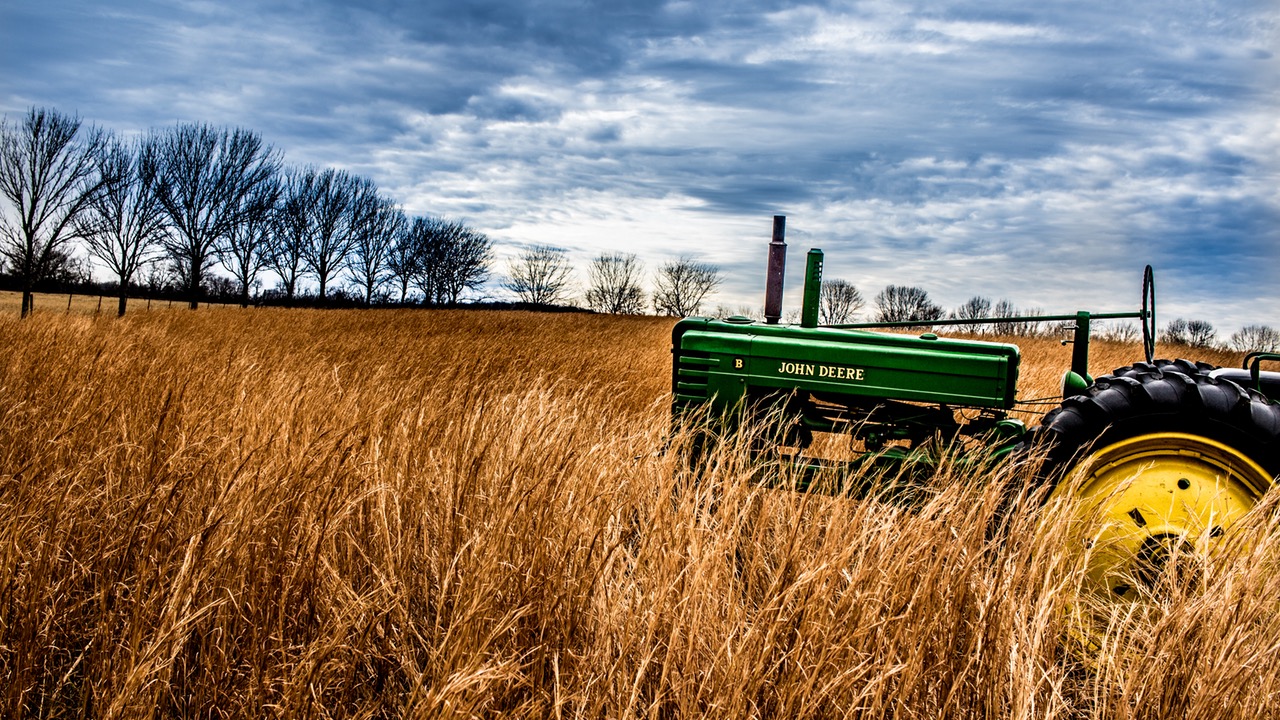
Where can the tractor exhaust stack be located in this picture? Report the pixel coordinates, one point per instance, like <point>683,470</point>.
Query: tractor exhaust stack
<point>777,268</point>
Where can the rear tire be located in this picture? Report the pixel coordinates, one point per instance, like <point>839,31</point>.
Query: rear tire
<point>1166,459</point>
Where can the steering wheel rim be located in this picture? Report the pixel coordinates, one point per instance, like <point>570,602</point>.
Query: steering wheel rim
<point>1149,314</point>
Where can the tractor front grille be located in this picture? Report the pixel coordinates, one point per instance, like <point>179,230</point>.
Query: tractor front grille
<point>690,381</point>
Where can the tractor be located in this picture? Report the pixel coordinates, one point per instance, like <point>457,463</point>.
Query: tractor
<point>1163,451</point>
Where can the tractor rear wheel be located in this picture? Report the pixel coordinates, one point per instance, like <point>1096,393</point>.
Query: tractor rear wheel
<point>1165,459</point>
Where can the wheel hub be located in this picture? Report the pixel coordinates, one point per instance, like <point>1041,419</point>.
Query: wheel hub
<point>1161,501</point>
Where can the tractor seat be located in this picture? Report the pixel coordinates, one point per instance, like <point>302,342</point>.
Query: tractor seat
<point>1270,380</point>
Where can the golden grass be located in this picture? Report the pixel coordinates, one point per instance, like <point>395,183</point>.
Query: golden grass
<point>435,514</point>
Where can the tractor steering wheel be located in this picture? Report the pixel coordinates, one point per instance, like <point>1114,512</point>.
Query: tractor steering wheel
<point>1149,314</point>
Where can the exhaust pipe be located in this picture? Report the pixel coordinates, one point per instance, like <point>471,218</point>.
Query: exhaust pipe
<point>777,268</point>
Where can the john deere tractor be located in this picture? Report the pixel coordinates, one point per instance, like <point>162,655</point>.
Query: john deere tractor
<point>1166,450</point>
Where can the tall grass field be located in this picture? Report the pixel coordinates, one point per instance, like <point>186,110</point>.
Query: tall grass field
<point>384,514</point>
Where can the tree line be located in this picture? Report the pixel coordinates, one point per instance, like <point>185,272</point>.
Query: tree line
<point>1179,331</point>
<point>168,207</point>
<point>842,302</point>
<point>195,196</point>
<point>543,275</point>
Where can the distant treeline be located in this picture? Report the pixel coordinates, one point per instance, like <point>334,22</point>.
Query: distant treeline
<point>160,212</point>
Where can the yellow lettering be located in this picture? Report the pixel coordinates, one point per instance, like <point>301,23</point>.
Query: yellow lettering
<point>791,368</point>
<point>832,371</point>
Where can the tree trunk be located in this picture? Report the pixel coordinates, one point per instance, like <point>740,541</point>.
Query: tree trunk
<point>28,301</point>
<point>193,285</point>
<point>124,300</point>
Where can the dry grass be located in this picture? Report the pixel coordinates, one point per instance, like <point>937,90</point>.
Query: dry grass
<point>400,513</point>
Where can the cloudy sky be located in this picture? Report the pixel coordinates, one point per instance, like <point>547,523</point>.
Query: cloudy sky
<point>1041,152</point>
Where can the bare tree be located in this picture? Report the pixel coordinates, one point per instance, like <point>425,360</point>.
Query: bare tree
<point>49,175</point>
<point>160,276</point>
<point>465,265</point>
<point>1200,333</point>
<point>377,229</point>
<point>247,249</point>
<point>1175,332</point>
<point>974,308</point>
<point>337,198</point>
<point>1031,327</point>
<point>448,259</point>
<point>424,234</point>
<point>210,182</point>
<point>1120,332</point>
<point>1004,309</point>
<point>455,257</point>
<point>1194,333</point>
<point>615,284</point>
<point>540,275</point>
<point>839,302</point>
<point>754,312</point>
<point>901,303</point>
<point>290,229</point>
<point>65,268</point>
<point>682,285</point>
<point>124,223</point>
<point>1259,338</point>
<point>1011,325</point>
<point>404,261</point>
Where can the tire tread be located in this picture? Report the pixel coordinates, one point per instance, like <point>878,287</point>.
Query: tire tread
<point>1176,395</point>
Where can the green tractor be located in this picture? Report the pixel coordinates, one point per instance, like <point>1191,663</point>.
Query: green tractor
<point>1164,451</point>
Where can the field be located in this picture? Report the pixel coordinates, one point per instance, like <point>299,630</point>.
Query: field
<point>299,513</point>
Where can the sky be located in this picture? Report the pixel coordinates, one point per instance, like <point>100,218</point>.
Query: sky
<point>1039,152</point>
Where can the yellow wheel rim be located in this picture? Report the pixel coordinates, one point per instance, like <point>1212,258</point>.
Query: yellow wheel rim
<point>1159,500</point>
